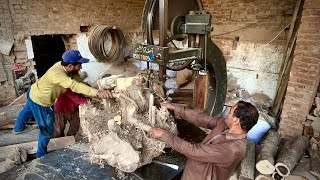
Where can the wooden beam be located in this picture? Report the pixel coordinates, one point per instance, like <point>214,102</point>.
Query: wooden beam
<point>286,65</point>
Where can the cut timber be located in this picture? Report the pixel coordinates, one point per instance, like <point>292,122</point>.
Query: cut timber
<point>315,163</point>
<point>11,114</point>
<point>54,144</point>
<point>288,160</point>
<point>7,126</point>
<point>269,148</point>
<point>247,164</point>
<point>200,92</point>
<point>277,176</point>
<point>183,97</point>
<point>263,177</point>
<point>302,170</point>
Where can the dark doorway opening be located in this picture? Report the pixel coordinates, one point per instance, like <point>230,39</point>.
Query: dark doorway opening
<point>47,50</point>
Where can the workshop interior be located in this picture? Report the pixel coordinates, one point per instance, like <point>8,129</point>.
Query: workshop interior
<point>203,55</point>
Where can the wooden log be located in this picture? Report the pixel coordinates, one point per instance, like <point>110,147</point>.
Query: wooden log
<point>315,163</point>
<point>10,113</point>
<point>302,170</point>
<point>277,176</point>
<point>31,147</point>
<point>288,160</point>
<point>247,164</point>
<point>266,157</point>
<point>260,176</point>
<point>7,126</point>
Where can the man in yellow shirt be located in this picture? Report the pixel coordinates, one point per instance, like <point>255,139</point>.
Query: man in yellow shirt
<point>42,94</point>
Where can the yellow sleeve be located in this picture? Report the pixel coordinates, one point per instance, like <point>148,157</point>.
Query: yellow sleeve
<point>67,82</point>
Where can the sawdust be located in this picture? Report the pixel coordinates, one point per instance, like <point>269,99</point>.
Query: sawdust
<point>117,128</point>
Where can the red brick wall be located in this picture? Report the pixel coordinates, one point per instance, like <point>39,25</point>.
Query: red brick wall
<point>264,18</point>
<point>22,18</point>
<point>305,72</point>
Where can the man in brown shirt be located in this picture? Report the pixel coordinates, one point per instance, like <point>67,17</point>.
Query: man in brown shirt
<point>217,156</point>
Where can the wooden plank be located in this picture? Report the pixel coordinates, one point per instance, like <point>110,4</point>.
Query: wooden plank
<point>290,33</point>
<point>31,147</point>
<point>283,84</point>
<point>286,64</point>
<point>200,92</point>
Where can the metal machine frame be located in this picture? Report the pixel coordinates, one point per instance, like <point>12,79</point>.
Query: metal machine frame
<point>196,27</point>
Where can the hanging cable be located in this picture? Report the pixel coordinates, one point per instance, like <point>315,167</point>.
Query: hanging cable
<point>107,44</point>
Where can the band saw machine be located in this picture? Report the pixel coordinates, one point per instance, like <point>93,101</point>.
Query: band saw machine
<point>184,20</point>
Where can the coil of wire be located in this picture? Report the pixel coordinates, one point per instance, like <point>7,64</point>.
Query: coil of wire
<point>107,44</point>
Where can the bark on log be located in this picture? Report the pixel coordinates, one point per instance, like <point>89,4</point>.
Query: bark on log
<point>315,163</point>
<point>260,176</point>
<point>302,170</point>
<point>11,113</point>
<point>247,164</point>
<point>277,176</point>
<point>288,160</point>
<point>31,147</point>
<point>266,157</point>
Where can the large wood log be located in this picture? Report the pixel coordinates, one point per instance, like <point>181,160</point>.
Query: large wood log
<point>315,163</point>
<point>31,147</point>
<point>288,160</point>
<point>10,113</point>
<point>302,170</point>
<point>247,164</point>
<point>266,157</point>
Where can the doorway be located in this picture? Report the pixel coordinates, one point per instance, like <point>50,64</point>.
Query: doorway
<point>48,50</point>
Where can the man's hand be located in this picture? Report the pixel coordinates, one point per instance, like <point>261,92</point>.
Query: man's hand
<point>155,132</point>
<point>104,94</point>
<point>168,105</point>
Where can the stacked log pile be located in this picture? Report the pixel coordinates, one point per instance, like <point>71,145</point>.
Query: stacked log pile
<point>278,159</point>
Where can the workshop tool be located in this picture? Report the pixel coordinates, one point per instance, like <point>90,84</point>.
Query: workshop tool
<point>186,21</point>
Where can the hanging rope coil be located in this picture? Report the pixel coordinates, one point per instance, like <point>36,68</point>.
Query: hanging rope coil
<point>107,44</point>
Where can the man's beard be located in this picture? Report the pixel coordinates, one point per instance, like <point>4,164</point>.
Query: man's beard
<point>74,72</point>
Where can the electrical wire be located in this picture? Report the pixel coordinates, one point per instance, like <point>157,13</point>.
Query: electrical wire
<point>247,25</point>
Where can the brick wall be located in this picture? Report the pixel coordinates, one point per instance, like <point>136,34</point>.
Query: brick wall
<point>22,18</point>
<point>305,72</point>
<point>257,21</point>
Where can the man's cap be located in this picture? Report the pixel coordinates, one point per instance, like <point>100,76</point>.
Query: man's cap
<point>73,56</point>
